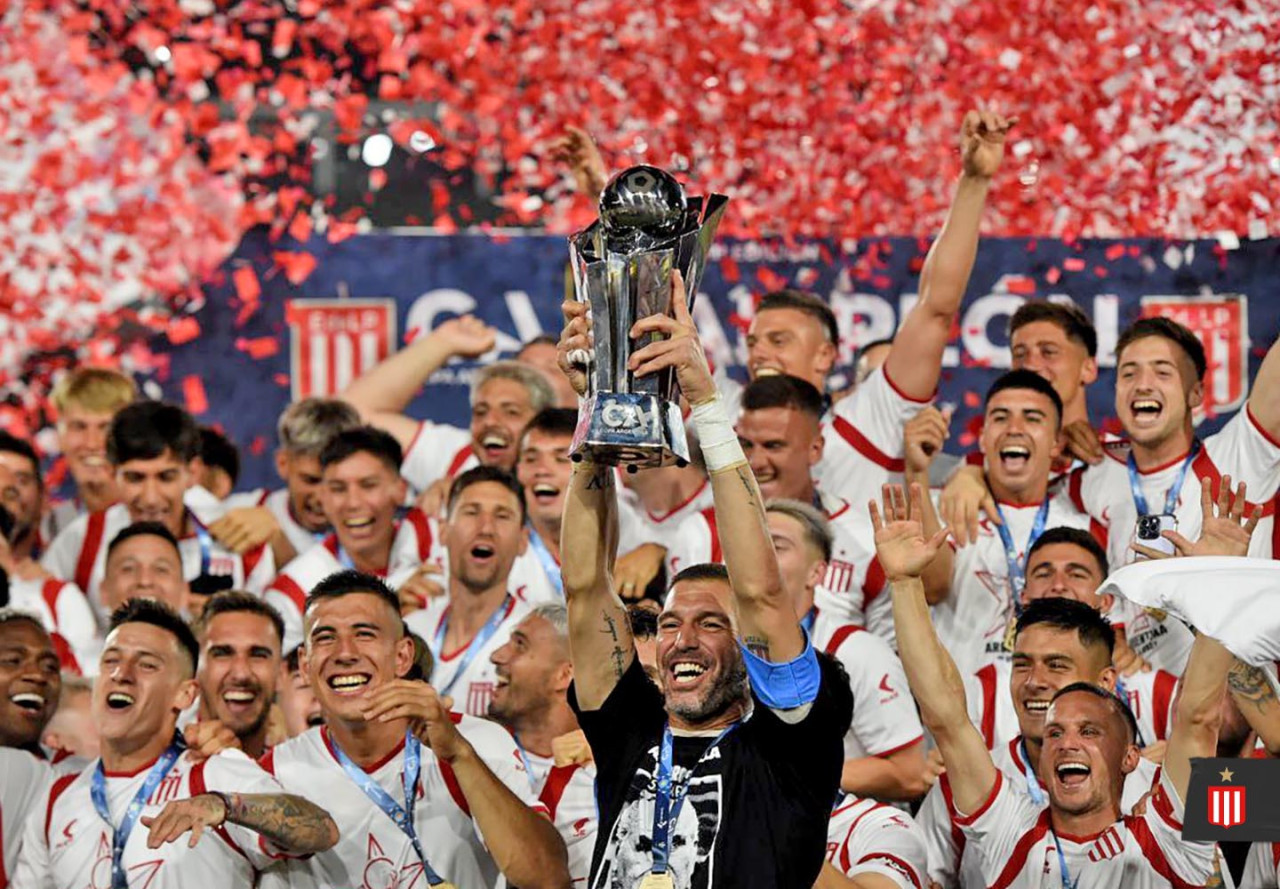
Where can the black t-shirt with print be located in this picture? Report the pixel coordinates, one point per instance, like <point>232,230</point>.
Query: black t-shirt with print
<point>757,810</point>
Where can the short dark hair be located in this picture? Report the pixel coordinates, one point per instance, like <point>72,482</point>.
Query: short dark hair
<point>11,444</point>
<point>552,421</point>
<point>703,571</point>
<point>1076,537</point>
<point>1091,628</point>
<point>237,601</point>
<point>144,430</point>
<point>1025,379</point>
<point>145,529</point>
<point>643,621</point>
<point>478,474</point>
<point>1068,316</point>
<point>292,661</point>
<point>349,582</point>
<point>808,303</point>
<point>219,452</point>
<point>158,614</point>
<point>1109,696</point>
<point>1168,329</point>
<point>782,391</point>
<point>12,616</point>
<point>363,440</point>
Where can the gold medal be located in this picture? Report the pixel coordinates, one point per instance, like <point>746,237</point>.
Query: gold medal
<point>1010,633</point>
<point>1157,613</point>
<point>657,881</point>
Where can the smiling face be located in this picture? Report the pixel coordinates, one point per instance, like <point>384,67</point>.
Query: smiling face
<point>354,644</point>
<point>703,675</point>
<point>20,491</point>
<point>1087,753</point>
<point>298,703</point>
<point>544,470</point>
<point>1067,571</point>
<point>501,410</point>
<point>799,562</point>
<point>29,682</point>
<point>144,683</point>
<point>239,666</point>
<point>144,567</point>
<point>1156,390</point>
<point>789,341</point>
<point>360,497</point>
<point>783,445</point>
<point>1019,440</point>
<point>152,489</point>
<point>1045,659</point>
<point>484,535</point>
<point>305,480</point>
<point>533,671</point>
<point>1044,348</point>
<point>82,435</point>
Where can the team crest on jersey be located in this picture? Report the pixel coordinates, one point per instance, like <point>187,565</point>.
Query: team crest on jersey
<point>839,577</point>
<point>479,694</point>
<point>1221,322</point>
<point>222,566</point>
<point>1226,805</point>
<point>333,341</point>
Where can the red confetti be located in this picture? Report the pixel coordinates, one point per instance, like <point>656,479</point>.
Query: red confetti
<point>183,330</point>
<point>297,266</point>
<point>194,395</point>
<point>259,347</point>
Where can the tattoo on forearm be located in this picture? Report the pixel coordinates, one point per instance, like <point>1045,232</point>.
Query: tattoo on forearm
<point>748,480</point>
<point>599,480</point>
<point>618,656</point>
<point>757,645</point>
<point>290,822</point>
<point>1248,683</point>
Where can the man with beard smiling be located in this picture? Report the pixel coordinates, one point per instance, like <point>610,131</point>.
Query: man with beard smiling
<point>1088,749</point>
<point>699,783</point>
<point>154,448</point>
<point>362,493</point>
<point>504,397</point>
<point>1021,437</point>
<point>239,637</point>
<point>485,532</point>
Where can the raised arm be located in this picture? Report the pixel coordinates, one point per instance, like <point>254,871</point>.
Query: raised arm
<point>916,361</point>
<point>935,682</point>
<point>1263,403</point>
<point>766,616</point>
<point>600,642</point>
<point>382,394</point>
<point>923,438</point>
<point>1199,716</point>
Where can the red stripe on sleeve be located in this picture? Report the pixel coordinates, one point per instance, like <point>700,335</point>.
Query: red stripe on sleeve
<point>89,549</point>
<point>55,791</point>
<point>291,588</point>
<point>455,789</point>
<point>709,515</point>
<point>1018,859</point>
<point>837,638</point>
<point>1162,702</point>
<point>49,592</point>
<point>987,678</point>
<point>863,446</point>
<point>459,458</point>
<point>557,780</point>
<point>422,528</point>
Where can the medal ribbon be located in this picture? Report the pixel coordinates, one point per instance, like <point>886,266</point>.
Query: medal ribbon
<point>669,800</point>
<point>120,835</point>
<point>549,564</point>
<point>528,765</point>
<point>1067,882</point>
<point>477,642</point>
<point>1171,495</point>
<point>1017,571</point>
<point>401,815</point>
<point>205,540</point>
<point>1034,790</point>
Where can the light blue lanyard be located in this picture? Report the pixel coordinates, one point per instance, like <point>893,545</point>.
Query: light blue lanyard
<point>120,835</point>
<point>528,765</point>
<point>1171,495</point>
<point>669,800</point>
<point>477,643</point>
<point>1034,790</point>
<point>205,539</point>
<point>1067,882</point>
<point>550,566</point>
<point>401,815</point>
<point>1017,571</point>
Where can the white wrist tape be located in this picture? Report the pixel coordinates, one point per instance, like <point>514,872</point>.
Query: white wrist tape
<point>720,446</point>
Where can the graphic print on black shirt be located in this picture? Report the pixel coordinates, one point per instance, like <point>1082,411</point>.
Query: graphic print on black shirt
<point>757,809</point>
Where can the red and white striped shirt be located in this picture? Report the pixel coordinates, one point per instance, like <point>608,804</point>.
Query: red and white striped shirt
<point>867,837</point>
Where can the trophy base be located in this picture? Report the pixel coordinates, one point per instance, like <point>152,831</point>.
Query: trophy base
<point>632,430</point>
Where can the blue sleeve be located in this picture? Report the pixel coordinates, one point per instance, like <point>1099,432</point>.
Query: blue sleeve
<point>788,685</point>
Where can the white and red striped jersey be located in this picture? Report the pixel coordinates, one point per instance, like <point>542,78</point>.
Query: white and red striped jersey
<point>372,850</point>
<point>1018,849</point>
<point>867,837</point>
<point>665,529</point>
<point>973,619</point>
<point>884,713</point>
<point>79,554</point>
<point>952,860</point>
<point>22,780</point>
<point>568,792</point>
<point>57,516</point>
<point>417,540</point>
<point>67,845</point>
<point>66,614</point>
<point>279,504</point>
<point>437,452</point>
<point>1262,867</point>
<point>468,678</point>
<point>1149,696</point>
<point>1241,449</point>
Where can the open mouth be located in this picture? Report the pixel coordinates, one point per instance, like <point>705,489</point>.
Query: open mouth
<point>118,700</point>
<point>482,551</point>
<point>765,371</point>
<point>315,719</point>
<point>1146,408</point>
<point>355,524</point>
<point>1038,708</point>
<point>1015,456</point>
<point>94,461</point>
<point>349,683</point>
<point>685,673</point>
<point>239,698</point>
<point>494,442</point>
<point>545,493</point>
<point>1072,774</point>
<point>28,701</point>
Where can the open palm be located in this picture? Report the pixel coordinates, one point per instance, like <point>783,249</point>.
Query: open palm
<point>901,546</point>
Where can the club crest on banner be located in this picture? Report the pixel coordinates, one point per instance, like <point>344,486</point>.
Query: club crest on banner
<point>1226,805</point>
<point>1221,322</point>
<point>333,341</point>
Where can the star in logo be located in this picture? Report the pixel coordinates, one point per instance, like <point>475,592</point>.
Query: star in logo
<point>1226,774</point>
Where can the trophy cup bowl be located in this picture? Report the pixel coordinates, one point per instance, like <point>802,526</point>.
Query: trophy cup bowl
<point>622,269</point>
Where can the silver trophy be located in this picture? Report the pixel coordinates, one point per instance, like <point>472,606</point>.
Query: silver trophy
<point>622,267</point>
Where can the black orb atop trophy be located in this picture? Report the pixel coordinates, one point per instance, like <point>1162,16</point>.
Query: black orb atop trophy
<point>644,201</point>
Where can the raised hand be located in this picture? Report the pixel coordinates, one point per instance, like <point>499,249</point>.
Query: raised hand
<point>573,352</point>
<point>466,337</point>
<point>923,437</point>
<point>964,500</point>
<point>982,138</point>
<point>679,348</point>
<point>1226,526</point>
<point>901,546</point>
<point>578,151</point>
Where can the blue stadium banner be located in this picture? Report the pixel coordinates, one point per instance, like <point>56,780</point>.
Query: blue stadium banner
<point>368,294</point>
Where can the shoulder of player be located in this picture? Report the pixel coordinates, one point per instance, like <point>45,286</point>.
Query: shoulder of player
<point>489,738</point>
<point>850,643</point>
<point>306,748</point>
<point>423,621</point>
<point>226,767</point>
